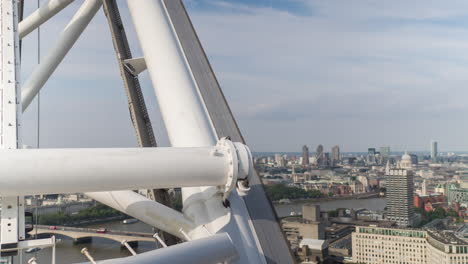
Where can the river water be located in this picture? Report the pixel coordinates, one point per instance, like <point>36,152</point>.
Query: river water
<point>99,248</point>
<point>102,249</point>
<point>283,210</point>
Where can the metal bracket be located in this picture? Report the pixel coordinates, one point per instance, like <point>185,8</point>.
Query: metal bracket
<point>135,66</point>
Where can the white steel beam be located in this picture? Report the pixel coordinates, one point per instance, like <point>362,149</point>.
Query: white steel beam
<point>48,171</point>
<point>12,216</point>
<point>188,124</point>
<point>125,243</point>
<point>41,15</point>
<point>35,243</point>
<point>65,42</point>
<point>146,210</point>
<point>212,250</point>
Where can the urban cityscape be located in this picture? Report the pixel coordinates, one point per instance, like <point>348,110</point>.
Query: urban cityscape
<point>374,207</point>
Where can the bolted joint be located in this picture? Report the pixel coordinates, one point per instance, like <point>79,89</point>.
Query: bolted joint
<point>239,167</point>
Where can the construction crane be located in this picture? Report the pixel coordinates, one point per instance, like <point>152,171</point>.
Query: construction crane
<point>226,216</point>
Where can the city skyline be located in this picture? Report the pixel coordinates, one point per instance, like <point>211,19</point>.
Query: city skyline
<point>295,102</point>
<point>381,149</point>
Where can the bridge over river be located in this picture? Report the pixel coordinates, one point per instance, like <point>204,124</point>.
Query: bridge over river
<point>85,235</point>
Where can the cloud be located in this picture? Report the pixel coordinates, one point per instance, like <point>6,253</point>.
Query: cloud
<point>366,61</point>
<point>355,73</point>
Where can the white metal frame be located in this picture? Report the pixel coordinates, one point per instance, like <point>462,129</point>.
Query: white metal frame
<point>213,172</point>
<point>12,218</point>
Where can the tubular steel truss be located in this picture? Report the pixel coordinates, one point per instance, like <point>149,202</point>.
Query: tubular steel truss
<point>226,216</point>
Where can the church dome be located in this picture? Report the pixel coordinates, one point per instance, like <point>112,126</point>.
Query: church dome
<point>406,162</point>
<point>406,156</point>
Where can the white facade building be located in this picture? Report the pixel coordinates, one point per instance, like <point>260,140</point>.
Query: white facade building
<point>375,245</point>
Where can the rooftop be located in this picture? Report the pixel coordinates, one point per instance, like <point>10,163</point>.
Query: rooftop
<point>446,237</point>
<point>313,243</point>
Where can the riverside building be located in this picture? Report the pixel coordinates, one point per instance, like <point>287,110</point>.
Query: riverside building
<point>375,245</point>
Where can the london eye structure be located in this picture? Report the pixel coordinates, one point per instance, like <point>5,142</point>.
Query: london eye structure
<point>226,216</point>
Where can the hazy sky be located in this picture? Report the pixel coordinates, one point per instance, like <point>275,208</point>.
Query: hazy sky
<point>353,73</point>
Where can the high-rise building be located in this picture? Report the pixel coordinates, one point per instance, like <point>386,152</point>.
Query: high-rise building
<point>326,159</point>
<point>319,155</point>
<point>280,160</point>
<point>400,191</point>
<point>371,156</point>
<point>305,155</point>
<point>433,150</point>
<point>335,158</point>
<point>385,152</point>
<point>414,158</point>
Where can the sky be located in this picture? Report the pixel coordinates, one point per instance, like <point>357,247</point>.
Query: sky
<point>357,74</point>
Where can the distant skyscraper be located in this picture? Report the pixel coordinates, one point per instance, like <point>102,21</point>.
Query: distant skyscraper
<point>305,155</point>
<point>326,159</point>
<point>319,155</point>
<point>279,160</point>
<point>424,187</point>
<point>433,150</point>
<point>385,152</point>
<point>335,155</point>
<point>400,191</point>
<point>371,155</point>
<point>414,159</point>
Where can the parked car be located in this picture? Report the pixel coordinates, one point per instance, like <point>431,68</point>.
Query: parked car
<point>52,228</point>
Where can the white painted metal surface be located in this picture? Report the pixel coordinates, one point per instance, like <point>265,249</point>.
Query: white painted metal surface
<point>188,124</point>
<point>158,238</point>
<point>86,253</point>
<point>136,65</point>
<point>147,211</point>
<point>47,171</point>
<point>36,243</point>
<point>125,243</point>
<point>217,232</point>
<point>12,215</point>
<point>65,42</point>
<point>211,250</point>
<point>41,15</point>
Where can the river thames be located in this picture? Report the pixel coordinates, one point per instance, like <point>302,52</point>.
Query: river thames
<point>102,249</point>
<point>283,210</point>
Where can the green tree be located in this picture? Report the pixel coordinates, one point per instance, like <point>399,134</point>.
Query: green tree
<point>280,191</point>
